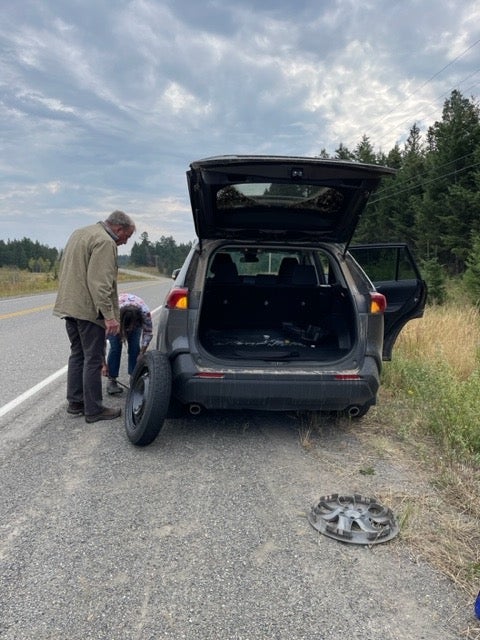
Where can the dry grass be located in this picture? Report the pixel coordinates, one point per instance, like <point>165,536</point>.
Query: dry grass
<point>436,500</point>
<point>439,517</point>
<point>447,338</point>
<point>441,525</point>
<point>447,333</point>
<point>17,282</point>
<point>436,371</point>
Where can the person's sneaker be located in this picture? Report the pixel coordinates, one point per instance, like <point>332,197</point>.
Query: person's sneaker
<point>75,408</point>
<point>105,414</point>
<point>113,387</point>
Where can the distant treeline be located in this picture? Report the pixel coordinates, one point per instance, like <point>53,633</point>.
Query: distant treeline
<point>165,254</point>
<point>26,254</point>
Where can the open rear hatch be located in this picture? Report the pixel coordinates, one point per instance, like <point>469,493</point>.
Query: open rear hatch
<point>280,198</point>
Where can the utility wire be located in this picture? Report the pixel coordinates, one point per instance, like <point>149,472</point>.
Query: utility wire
<point>449,64</point>
<point>415,179</point>
<point>442,95</point>
<point>424,84</point>
<point>409,188</point>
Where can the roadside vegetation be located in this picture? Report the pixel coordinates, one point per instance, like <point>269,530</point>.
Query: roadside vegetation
<point>427,422</point>
<point>432,388</point>
<point>436,367</point>
<point>21,282</point>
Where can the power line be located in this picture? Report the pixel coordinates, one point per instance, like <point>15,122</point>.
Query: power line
<point>449,64</point>
<point>424,84</point>
<point>416,179</point>
<point>419,183</point>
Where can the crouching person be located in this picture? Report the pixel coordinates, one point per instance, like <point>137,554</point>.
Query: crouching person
<point>135,331</point>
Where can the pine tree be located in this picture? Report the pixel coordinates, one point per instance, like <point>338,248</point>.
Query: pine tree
<point>445,215</point>
<point>364,151</point>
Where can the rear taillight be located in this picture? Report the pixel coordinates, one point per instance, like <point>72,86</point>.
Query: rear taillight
<point>177,299</point>
<point>378,303</point>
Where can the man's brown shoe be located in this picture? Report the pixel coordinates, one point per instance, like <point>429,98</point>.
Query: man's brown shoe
<point>75,408</point>
<point>105,414</point>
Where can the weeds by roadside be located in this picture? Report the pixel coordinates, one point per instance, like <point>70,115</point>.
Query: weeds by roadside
<point>436,499</point>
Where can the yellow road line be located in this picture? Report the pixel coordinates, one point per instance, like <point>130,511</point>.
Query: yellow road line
<point>25,312</point>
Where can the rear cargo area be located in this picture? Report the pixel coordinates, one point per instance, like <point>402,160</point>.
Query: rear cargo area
<point>268,317</point>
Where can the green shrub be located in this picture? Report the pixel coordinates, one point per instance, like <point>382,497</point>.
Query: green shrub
<point>435,277</point>
<point>471,277</point>
<point>444,405</point>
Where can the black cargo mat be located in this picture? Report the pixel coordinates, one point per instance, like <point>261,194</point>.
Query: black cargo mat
<point>285,344</point>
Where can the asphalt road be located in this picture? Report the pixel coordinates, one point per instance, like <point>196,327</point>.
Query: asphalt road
<point>202,535</point>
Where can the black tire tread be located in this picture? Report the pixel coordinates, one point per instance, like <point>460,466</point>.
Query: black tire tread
<point>158,367</point>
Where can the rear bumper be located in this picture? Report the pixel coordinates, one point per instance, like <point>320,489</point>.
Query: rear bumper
<point>279,390</point>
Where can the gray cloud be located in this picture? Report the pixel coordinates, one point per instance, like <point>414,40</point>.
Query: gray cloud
<point>103,105</point>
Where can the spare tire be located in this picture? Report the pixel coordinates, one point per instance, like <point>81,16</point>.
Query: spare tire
<point>148,398</point>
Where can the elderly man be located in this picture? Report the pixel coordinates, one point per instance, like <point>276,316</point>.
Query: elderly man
<point>88,301</point>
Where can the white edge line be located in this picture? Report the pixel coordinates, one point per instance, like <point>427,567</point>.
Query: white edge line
<point>31,392</point>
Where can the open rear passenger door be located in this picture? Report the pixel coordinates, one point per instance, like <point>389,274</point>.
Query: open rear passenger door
<point>393,271</point>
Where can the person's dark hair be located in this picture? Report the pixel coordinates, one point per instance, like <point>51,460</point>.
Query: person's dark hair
<point>121,219</point>
<point>130,319</point>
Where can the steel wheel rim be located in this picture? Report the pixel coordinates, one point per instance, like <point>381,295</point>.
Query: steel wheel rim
<point>139,393</point>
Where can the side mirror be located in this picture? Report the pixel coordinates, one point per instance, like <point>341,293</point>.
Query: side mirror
<point>175,273</point>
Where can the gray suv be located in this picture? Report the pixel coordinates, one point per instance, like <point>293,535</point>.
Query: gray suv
<point>271,309</point>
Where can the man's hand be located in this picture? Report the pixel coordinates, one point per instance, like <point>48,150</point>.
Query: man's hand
<point>112,327</point>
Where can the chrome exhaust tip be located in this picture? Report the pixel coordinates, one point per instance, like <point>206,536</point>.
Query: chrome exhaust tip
<point>194,409</point>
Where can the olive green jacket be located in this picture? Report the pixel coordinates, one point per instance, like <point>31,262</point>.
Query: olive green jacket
<point>87,287</point>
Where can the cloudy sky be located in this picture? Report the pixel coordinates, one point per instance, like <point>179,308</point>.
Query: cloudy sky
<point>104,103</point>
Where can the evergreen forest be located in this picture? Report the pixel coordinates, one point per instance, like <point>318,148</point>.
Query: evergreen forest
<point>29,255</point>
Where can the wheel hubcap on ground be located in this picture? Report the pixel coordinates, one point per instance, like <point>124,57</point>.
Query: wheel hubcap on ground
<point>354,519</point>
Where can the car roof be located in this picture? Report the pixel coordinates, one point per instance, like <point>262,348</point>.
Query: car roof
<point>280,197</point>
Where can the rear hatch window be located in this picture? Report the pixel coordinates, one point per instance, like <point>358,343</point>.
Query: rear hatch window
<point>280,198</point>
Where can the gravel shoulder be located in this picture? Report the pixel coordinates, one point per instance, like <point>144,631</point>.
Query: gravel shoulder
<point>204,534</point>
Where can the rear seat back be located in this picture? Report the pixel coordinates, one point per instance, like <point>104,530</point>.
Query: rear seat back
<point>304,275</point>
<point>264,303</point>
